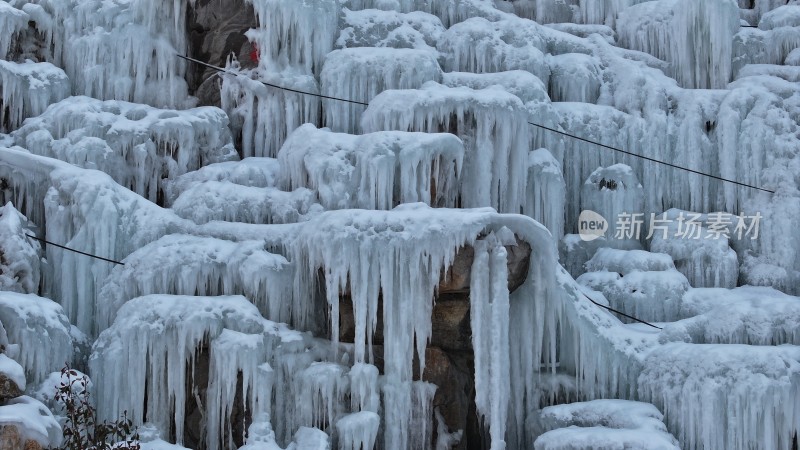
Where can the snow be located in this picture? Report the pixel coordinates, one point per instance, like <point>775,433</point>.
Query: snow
<point>491,122</point>
<point>373,171</point>
<point>783,16</point>
<point>361,73</point>
<point>256,172</point>
<point>32,419</point>
<point>42,331</point>
<point>27,89</point>
<point>13,371</point>
<point>20,265</point>
<point>215,200</point>
<point>603,424</point>
<point>375,28</point>
<point>137,145</point>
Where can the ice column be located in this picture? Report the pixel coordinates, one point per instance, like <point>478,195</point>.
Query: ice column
<point>489,302</point>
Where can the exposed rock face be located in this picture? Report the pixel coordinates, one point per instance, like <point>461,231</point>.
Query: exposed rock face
<point>11,439</point>
<point>216,29</point>
<point>449,360</point>
<point>8,389</point>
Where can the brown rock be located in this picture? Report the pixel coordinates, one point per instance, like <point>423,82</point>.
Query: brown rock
<point>216,29</point>
<point>11,439</point>
<point>8,388</point>
<point>458,276</point>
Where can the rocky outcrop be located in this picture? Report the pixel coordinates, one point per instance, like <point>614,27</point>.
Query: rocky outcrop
<point>216,29</point>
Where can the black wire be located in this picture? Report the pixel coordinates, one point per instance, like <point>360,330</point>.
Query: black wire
<point>73,250</point>
<point>621,313</point>
<point>675,166</point>
<point>223,70</point>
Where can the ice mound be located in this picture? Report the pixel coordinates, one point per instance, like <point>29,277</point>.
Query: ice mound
<point>603,424</point>
<point>27,89</point>
<point>373,171</point>
<point>139,146</point>
<point>640,284</point>
<point>375,28</point>
<point>546,198</point>
<point>256,172</point>
<point>745,315</point>
<point>615,193</point>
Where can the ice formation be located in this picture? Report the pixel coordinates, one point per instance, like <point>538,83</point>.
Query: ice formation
<point>641,284</point>
<point>256,172</point>
<point>41,330</point>
<point>694,37</point>
<point>603,424</point>
<point>166,333</point>
<point>361,73</point>
<point>20,265</point>
<point>700,248</point>
<point>615,193</point>
<point>491,122</point>
<point>546,196</point>
<point>214,200</point>
<point>137,145</point>
<point>376,170</point>
<point>26,89</point>
<point>374,28</point>
<point>32,419</point>
<point>192,265</point>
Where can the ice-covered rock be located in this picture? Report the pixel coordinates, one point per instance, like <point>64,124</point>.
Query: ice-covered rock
<point>574,77</point>
<point>615,193</point>
<point>602,424</point>
<point>159,335</point>
<point>41,330</point>
<point>636,283</point>
<point>12,378</point>
<point>32,421</point>
<point>191,265</point>
<point>21,263</point>
<point>783,16</point>
<point>139,146</point>
<point>699,245</point>
<point>12,21</point>
<point>491,122</point>
<point>361,73</point>
<point>256,172</point>
<point>26,89</point>
<point>745,315</point>
<point>377,170</point>
<point>375,28</point>
<point>230,202</point>
<point>725,388</point>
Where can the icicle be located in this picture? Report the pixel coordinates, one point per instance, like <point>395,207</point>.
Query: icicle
<point>21,265</point>
<point>27,89</point>
<point>491,122</point>
<point>489,300</point>
<point>358,431</point>
<point>12,21</point>
<point>545,201</point>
